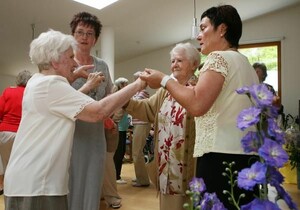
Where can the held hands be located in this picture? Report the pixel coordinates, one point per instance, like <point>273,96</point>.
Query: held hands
<point>152,77</point>
<point>142,84</point>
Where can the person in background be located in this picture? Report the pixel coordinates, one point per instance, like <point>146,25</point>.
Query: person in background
<point>261,71</point>
<point>89,146</point>
<point>37,173</point>
<point>109,189</point>
<point>10,117</point>
<point>173,164</point>
<point>214,100</point>
<point>140,133</point>
<point>121,118</point>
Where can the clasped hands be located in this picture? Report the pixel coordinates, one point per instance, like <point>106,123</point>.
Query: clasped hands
<point>151,77</point>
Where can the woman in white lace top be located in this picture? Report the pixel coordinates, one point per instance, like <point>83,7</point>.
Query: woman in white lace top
<point>214,99</point>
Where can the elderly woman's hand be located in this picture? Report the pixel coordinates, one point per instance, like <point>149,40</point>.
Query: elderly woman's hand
<point>82,71</point>
<point>152,77</point>
<point>93,81</point>
<point>142,84</point>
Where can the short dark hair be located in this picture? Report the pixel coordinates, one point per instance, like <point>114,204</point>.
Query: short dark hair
<point>262,67</point>
<point>87,19</point>
<point>228,15</point>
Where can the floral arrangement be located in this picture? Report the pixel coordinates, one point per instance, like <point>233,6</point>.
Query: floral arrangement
<point>292,145</point>
<point>267,142</point>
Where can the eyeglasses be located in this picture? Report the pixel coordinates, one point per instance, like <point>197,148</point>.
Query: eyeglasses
<point>82,33</point>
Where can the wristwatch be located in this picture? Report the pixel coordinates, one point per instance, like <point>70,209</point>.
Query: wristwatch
<point>164,81</point>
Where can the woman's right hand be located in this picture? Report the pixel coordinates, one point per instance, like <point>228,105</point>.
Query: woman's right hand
<point>152,77</point>
<point>93,81</point>
<point>82,71</point>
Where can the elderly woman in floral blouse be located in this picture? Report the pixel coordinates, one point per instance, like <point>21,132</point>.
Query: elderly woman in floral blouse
<point>174,131</point>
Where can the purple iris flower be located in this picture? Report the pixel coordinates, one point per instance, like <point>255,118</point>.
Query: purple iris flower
<point>262,95</point>
<point>248,117</point>
<point>274,177</point>
<point>251,142</point>
<point>275,131</point>
<point>243,90</point>
<point>286,197</point>
<point>197,185</point>
<point>210,201</point>
<point>249,177</point>
<point>273,153</point>
<point>272,111</point>
<point>258,204</point>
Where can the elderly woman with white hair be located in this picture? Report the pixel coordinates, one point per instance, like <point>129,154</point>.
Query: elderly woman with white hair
<point>37,173</point>
<point>173,166</point>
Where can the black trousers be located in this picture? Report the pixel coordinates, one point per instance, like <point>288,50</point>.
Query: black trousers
<point>120,152</point>
<point>210,167</point>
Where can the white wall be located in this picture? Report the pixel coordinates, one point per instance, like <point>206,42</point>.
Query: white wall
<point>6,81</point>
<point>159,60</point>
<point>284,23</point>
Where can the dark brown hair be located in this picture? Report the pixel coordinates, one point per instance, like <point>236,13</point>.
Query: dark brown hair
<point>228,15</point>
<point>88,20</point>
<point>262,67</point>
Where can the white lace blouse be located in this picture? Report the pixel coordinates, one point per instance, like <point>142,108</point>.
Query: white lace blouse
<point>216,131</point>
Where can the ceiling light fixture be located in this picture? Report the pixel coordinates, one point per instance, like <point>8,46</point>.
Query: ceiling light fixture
<point>98,4</point>
<point>195,27</point>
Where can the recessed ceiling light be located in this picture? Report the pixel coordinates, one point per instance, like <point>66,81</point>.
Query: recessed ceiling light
<point>98,4</point>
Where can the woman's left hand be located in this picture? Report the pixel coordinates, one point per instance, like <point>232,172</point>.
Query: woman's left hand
<point>82,71</point>
<point>152,77</point>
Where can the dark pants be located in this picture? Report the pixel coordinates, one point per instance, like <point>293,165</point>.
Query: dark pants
<point>120,152</point>
<point>36,203</point>
<point>210,167</point>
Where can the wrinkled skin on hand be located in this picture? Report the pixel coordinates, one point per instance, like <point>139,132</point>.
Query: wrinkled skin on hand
<point>152,77</point>
<point>82,71</point>
<point>95,79</point>
<point>142,84</point>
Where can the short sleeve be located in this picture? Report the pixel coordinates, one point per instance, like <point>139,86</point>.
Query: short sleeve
<point>64,100</point>
<point>216,62</point>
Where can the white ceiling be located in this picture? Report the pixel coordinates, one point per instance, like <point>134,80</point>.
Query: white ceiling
<point>140,26</point>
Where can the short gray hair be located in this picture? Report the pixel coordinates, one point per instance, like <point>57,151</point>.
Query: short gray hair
<point>120,82</point>
<point>189,50</point>
<point>23,77</point>
<point>49,46</point>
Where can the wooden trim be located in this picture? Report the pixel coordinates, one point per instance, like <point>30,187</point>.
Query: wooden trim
<point>267,44</point>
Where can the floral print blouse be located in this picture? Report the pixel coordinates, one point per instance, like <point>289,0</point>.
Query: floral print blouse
<point>171,149</point>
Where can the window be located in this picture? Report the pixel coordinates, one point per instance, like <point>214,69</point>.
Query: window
<point>269,54</point>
